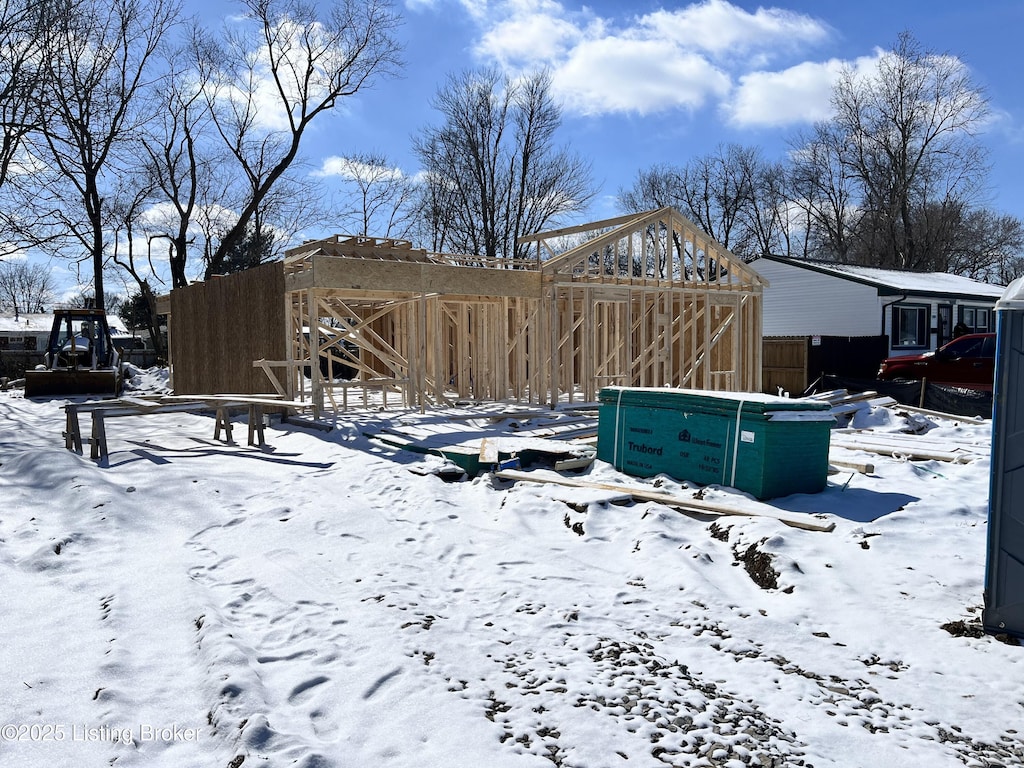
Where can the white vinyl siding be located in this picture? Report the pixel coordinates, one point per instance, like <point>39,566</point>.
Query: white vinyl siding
<point>802,302</point>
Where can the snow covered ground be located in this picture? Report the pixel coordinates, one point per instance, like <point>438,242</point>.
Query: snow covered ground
<point>316,603</point>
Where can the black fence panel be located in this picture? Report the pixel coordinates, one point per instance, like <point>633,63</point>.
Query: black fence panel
<point>936,397</point>
<point>856,357</point>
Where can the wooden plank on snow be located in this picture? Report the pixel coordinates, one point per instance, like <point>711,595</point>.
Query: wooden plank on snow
<point>797,520</point>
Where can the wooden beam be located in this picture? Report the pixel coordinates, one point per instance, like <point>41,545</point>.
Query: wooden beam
<point>592,226</point>
<point>414,278</point>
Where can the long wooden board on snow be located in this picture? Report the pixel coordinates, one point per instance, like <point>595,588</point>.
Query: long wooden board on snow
<point>890,448</point>
<point>797,520</point>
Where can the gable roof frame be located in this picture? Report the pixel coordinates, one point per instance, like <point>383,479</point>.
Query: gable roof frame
<point>661,236</point>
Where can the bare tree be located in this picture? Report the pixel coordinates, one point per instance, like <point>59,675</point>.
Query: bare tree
<point>493,171</point>
<point>433,220</point>
<point>654,187</point>
<point>768,218</point>
<point>25,287</point>
<point>715,189</point>
<point>378,197</point>
<point>303,63</point>
<point>823,190</point>
<point>988,247</point>
<point>21,23</point>
<point>177,162</point>
<point>98,58</point>
<point>123,218</point>
<point>892,180</point>
<point>909,129</point>
<point>733,194</point>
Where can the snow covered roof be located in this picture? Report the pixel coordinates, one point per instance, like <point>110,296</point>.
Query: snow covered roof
<point>42,322</point>
<point>892,281</point>
<point>30,323</point>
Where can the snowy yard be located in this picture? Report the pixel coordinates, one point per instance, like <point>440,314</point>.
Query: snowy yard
<point>315,603</point>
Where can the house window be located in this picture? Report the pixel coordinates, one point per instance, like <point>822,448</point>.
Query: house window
<point>977,319</point>
<point>910,326</point>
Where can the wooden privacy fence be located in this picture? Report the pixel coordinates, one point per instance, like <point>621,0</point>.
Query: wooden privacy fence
<point>640,300</point>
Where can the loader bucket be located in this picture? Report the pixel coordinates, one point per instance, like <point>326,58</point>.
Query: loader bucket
<point>59,382</point>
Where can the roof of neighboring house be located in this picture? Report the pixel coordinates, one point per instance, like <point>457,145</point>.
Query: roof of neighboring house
<point>41,322</point>
<point>892,282</point>
<point>26,323</point>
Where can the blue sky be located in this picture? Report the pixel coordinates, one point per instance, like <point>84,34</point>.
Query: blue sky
<point>647,82</point>
<point>659,81</point>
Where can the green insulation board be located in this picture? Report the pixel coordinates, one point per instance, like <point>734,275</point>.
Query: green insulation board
<point>760,444</point>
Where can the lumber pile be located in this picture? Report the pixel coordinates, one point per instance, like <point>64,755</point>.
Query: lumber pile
<point>846,405</point>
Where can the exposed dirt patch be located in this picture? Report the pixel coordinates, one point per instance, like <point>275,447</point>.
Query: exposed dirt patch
<point>575,527</point>
<point>963,628</point>
<point>758,565</point>
<point>719,532</point>
<point>973,628</point>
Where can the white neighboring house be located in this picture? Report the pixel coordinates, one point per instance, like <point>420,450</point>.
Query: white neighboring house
<point>31,333</point>
<point>916,310</point>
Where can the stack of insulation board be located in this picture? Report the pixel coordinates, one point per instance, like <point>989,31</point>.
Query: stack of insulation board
<point>764,445</point>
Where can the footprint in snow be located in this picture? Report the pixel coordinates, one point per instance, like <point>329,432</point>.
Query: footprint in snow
<point>301,691</point>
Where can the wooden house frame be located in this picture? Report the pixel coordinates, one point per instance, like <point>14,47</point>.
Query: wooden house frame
<point>639,300</point>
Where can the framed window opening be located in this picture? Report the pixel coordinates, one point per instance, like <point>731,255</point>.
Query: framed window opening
<point>910,326</point>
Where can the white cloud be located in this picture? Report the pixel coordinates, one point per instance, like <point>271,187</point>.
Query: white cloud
<point>799,94</point>
<point>724,29</point>
<point>640,76</point>
<point>477,9</point>
<point>12,252</point>
<point>549,37</point>
<point>1002,122</point>
<point>353,169</point>
<point>663,60</point>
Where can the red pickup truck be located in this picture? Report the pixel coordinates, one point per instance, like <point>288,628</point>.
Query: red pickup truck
<point>967,361</point>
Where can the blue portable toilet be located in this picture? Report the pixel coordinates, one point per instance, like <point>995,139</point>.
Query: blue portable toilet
<point>1004,572</point>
